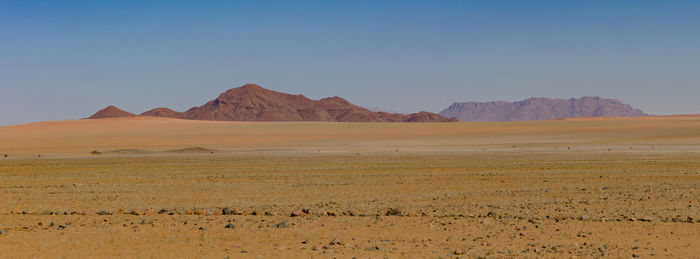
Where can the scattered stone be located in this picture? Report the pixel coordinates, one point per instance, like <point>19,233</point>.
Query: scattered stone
<point>297,213</point>
<point>103,213</point>
<point>227,211</point>
<point>282,224</point>
<point>372,248</point>
<point>335,242</point>
<point>229,225</point>
<point>332,213</point>
<point>393,212</point>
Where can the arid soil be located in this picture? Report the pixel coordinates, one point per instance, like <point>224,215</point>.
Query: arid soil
<point>159,187</point>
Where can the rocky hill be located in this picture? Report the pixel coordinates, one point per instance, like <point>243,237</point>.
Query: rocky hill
<point>110,112</point>
<point>255,103</point>
<point>540,109</point>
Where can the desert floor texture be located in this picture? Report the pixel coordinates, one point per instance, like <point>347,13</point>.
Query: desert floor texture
<point>154,187</point>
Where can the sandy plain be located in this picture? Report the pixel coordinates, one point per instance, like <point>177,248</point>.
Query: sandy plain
<point>555,189</point>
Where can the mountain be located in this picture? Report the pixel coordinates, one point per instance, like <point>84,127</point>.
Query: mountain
<point>110,112</point>
<point>162,112</point>
<point>255,103</point>
<point>540,109</point>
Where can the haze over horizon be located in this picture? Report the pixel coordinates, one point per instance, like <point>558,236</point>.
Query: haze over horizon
<point>65,60</point>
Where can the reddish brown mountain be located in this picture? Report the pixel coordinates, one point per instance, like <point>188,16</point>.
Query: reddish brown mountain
<point>110,112</point>
<point>162,112</point>
<point>254,103</point>
<point>540,109</point>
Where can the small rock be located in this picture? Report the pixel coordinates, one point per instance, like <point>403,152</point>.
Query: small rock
<point>61,227</point>
<point>351,213</point>
<point>335,242</point>
<point>267,213</point>
<point>393,212</point>
<point>136,212</point>
<point>282,224</point>
<point>200,212</point>
<point>229,225</point>
<point>332,213</point>
<point>3,231</point>
<point>103,213</point>
<point>149,212</point>
<point>163,211</point>
<point>227,211</point>
<point>458,251</point>
<point>16,211</point>
<point>297,213</point>
<point>202,228</point>
<point>635,255</point>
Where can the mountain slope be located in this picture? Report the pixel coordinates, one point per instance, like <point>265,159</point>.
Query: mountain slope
<point>540,109</point>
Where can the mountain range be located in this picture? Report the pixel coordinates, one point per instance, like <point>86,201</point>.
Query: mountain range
<point>540,108</point>
<point>255,103</point>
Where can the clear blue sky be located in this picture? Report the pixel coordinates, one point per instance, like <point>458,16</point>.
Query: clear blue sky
<point>67,59</point>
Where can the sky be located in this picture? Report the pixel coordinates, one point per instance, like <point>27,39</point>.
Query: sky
<point>67,59</point>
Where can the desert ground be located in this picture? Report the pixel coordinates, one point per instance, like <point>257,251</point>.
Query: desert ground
<point>157,187</point>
